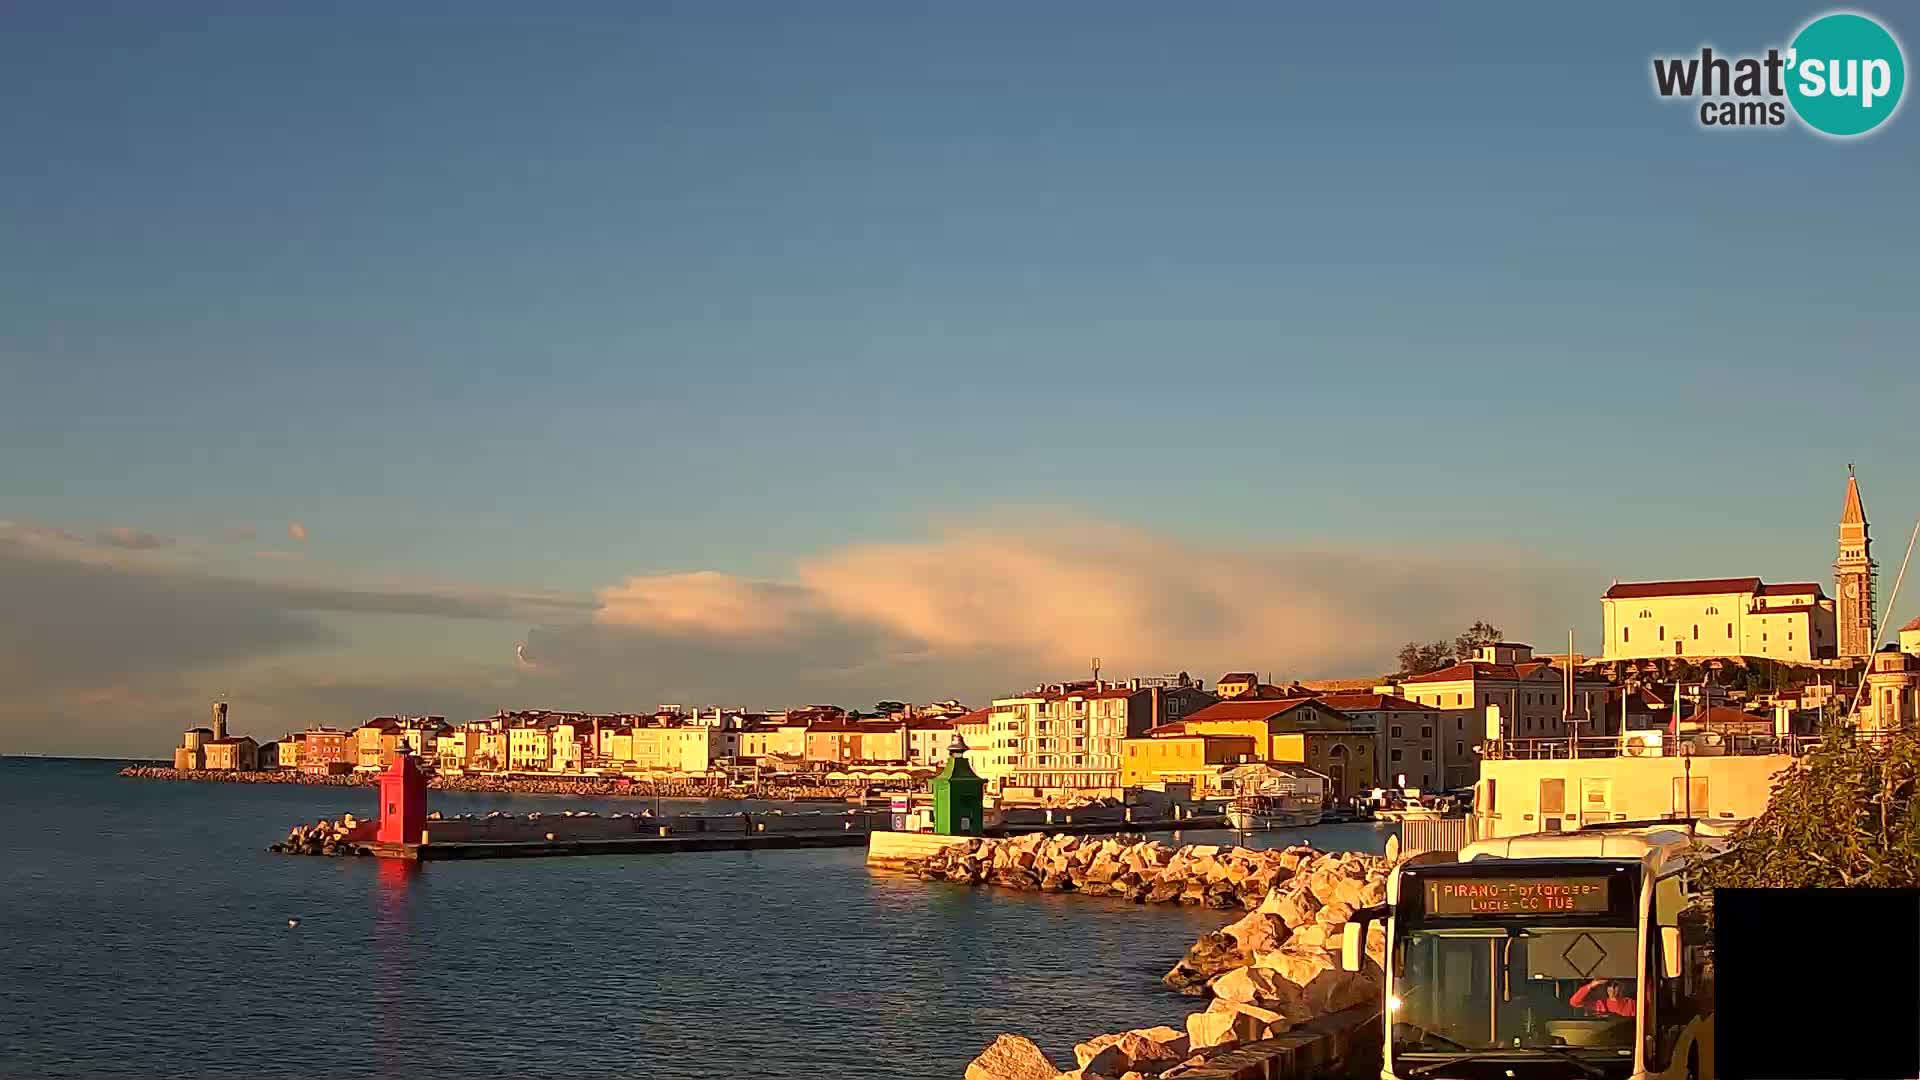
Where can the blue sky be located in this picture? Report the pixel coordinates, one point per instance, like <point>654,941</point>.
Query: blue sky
<point>554,300</point>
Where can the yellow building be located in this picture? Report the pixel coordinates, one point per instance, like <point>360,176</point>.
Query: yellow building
<point>676,748</point>
<point>529,749</point>
<point>232,754</point>
<point>1236,684</point>
<point>1299,731</point>
<point>375,743</point>
<point>1531,695</point>
<point>1176,757</point>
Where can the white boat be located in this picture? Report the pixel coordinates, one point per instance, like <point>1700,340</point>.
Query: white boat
<point>1278,803</point>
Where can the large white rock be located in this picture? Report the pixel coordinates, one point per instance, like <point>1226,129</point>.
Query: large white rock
<point>1258,932</point>
<point>1012,1057</point>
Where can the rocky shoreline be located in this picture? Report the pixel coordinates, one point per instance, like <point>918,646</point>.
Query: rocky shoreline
<point>1274,969</point>
<point>587,787</point>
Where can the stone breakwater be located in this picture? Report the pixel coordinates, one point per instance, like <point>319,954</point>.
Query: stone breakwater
<point>1272,970</point>
<point>323,837</point>
<point>591,787</point>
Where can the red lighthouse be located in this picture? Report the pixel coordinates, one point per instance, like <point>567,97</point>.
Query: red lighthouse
<point>403,801</point>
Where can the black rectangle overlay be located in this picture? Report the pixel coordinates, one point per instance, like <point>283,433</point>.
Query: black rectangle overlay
<point>1817,984</point>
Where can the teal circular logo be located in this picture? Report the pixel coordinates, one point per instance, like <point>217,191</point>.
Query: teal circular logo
<point>1845,74</point>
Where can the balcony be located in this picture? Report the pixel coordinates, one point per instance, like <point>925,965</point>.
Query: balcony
<point>1656,743</point>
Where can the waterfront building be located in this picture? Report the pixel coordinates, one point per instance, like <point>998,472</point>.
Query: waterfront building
<point>529,748</point>
<point>1520,791</point>
<point>973,729</point>
<point>1910,637</point>
<point>1066,738</point>
<point>778,736</point>
<point>1297,731</point>
<point>1408,734</point>
<point>421,735</point>
<point>1718,617</point>
<point>930,740</point>
<point>231,754</point>
<point>291,750</point>
<point>375,742</point>
<point>267,757</point>
<point>1531,695</point>
<point>1171,754</point>
<point>325,751</point>
<point>674,747</point>
<point>190,755</point>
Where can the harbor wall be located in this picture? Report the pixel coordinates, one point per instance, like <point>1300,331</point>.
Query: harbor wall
<point>527,830</point>
<point>897,849</point>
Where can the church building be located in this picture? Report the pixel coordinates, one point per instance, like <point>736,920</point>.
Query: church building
<point>1745,616</point>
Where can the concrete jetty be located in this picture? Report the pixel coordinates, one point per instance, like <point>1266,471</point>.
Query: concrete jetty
<point>625,845</point>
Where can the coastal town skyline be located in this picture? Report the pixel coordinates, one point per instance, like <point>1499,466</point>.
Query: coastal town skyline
<point>736,380</point>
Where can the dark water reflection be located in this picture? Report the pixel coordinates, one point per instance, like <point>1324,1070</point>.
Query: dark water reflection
<point>143,932</point>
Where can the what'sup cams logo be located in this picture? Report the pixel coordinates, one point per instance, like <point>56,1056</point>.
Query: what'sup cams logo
<point>1842,76</point>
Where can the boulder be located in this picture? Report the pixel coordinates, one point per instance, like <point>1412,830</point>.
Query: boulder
<point>1169,1038</point>
<point>1012,1057</point>
<point>1297,906</point>
<point>1251,1023</point>
<point>1131,1051</point>
<point>1314,935</point>
<point>1107,1060</point>
<point>1324,987</point>
<point>1258,933</point>
<point>1166,890</point>
<point>1214,953</point>
<point>1357,893</point>
<point>1210,1029</point>
<point>1334,914</point>
<point>1257,986</point>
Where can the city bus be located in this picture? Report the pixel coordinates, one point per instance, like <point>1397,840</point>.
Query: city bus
<point>1547,955</point>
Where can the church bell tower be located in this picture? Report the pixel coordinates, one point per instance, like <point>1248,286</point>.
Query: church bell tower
<point>1853,574</point>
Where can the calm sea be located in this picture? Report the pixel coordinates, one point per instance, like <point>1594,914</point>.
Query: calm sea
<point>143,932</point>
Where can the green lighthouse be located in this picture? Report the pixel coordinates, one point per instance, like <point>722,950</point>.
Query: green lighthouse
<point>959,795</point>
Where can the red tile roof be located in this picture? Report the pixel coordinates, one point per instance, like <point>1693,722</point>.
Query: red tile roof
<point>1252,709</point>
<point>1635,589</point>
<point>977,716</point>
<point>1238,676</point>
<point>1914,625</point>
<point>1373,703</point>
<point>1481,669</point>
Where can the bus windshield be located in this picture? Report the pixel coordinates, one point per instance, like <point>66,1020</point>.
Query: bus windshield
<point>1564,988</point>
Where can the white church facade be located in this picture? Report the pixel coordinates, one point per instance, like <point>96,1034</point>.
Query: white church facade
<point>1721,617</point>
<point>1745,616</point>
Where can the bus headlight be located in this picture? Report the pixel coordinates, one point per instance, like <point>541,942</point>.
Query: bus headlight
<point>1393,1003</point>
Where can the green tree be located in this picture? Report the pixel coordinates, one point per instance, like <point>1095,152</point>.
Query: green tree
<point>1418,659</point>
<point>1480,633</point>
<point>1844,818</point>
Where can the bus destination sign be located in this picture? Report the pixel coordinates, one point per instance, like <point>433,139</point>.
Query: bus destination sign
<point>1518,896</point>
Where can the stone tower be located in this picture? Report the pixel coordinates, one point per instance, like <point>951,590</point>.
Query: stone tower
<point>219,720</point>
<point>1853,574</point>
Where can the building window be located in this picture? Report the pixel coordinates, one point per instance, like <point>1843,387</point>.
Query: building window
<point>1394,754</point>
<point>1713,611</point>
<point>1663,633</point>
<point>1459,749</point>
<point>1394,731</point>
<point>1696,631</point>
<point>1646,614</point>
<point>1426,731</point>
<point>1626,633</point>
<point>1426,755</point>
<point>1459,699</point>
<point>1789,635</point>
<point>1729,631</point>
